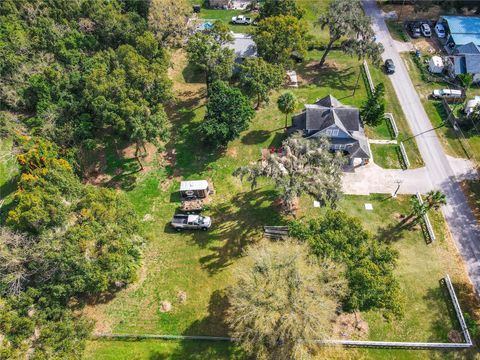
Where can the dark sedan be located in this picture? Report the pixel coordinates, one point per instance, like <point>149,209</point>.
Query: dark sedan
<point>389,66</point>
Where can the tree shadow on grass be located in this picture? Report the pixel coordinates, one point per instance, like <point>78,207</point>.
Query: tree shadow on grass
<point>278,139</point>
<point>255,137</point>
<point>193,75</point>
<point>212,325</point>
<point>328,76</point>
<point>390,233</point>
<point>8,187</point>
<point>236,224</point>
<point>191,155</point>
<point>440,305</point>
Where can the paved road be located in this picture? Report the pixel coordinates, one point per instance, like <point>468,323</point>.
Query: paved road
<point>371,178</point>
<point>460,219</point>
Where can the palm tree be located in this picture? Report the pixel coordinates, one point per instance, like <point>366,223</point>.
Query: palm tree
<point>286,104</point>
<point>419,208</point>
<point>305,166</point>
<point>435,199</point>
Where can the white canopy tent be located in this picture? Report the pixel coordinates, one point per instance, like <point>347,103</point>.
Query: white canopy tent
<point>435,65</point>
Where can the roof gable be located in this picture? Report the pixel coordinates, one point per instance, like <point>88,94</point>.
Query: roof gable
<point>469,48</point>
<point>335,131</point>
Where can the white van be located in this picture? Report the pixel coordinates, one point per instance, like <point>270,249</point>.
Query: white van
<point>447,94</point>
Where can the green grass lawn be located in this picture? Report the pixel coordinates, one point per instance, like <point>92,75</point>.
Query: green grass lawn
<point>393,106</point>
<point>160,350</point>
<point>202,264</point>
<point>386,156</point>
<point>313,9</point>
<point>472,190</point>
<point>171,265</point>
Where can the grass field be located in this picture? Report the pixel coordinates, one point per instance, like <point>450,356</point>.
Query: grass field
<point>387,156</point>
<point>170,265</point>
<point>393,106</point>
<point>202,264</point>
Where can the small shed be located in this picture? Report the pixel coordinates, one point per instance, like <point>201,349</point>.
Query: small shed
<point>194,189</point>
<point>470,105</point>
<point>435,65</point>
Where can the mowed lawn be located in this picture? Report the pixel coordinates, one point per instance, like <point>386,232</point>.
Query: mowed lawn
<point>420,267</point>
<point>203,264</point>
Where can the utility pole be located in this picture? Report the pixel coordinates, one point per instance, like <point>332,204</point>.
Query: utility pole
<point>398,182</point>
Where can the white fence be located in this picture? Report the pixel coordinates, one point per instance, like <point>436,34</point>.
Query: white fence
<point>404,155</point>
<point>426,219</point>
<point>369,76</point>
<point>390,118</point>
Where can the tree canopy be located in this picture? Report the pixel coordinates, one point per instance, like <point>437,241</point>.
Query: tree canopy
<point>64,241</point>
<point>168,19</point>
<point>347,23</point>
<point>282,298</point>
<point>80,70</point>
<point>277,37</point>
<point>369,263</point>
<point>281,7</point>
<point>206,51</point>
<point>258,78</point>
<point>304,166</point>
<point>228,114</point>
<point>373,110</point>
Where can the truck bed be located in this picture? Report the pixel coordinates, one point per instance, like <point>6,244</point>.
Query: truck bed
<point>180,219</point>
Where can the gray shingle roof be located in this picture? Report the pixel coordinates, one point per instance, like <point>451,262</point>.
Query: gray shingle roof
<point>243,46</point>
<point>472,64</point>
<point>469,48</point>
<point>329,111</point>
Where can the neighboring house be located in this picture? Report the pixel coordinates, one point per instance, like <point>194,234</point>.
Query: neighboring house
<point>461,30</point>
<point>464,59</point>
<point>243,46</point>
<point>339,123</point>
<point>462,45</point>
<point>219,4</point>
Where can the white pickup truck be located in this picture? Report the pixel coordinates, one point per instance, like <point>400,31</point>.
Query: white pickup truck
<point>241,20</point>
<point>192,222</point>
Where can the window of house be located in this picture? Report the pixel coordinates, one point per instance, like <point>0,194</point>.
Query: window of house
<point>332,132</point>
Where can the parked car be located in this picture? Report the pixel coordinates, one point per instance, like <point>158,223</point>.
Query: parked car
<point>426,30</point>
<point>414,30</point>
<point>447,94</point>
<point>389,66</point>
<point>191,222</point>
<point>440,30</point>
<point>242,20</point>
